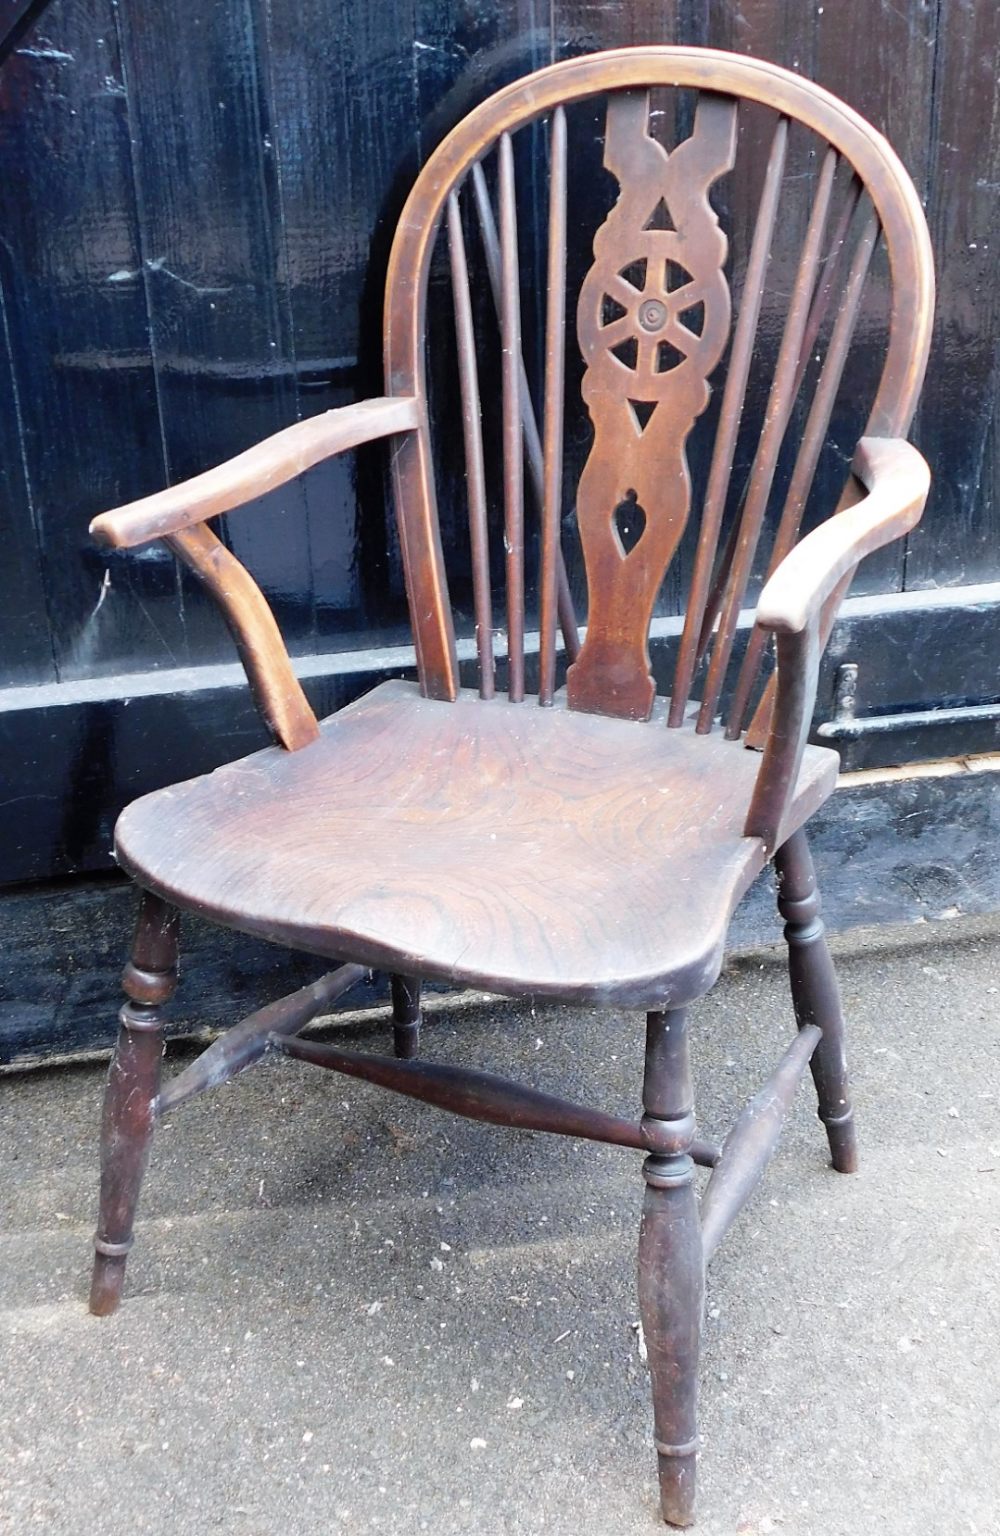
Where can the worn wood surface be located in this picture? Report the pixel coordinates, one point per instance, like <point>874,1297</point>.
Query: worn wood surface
<point>127,369</point>
<point>447,838</point>
<point>852,147</point>
<point>484,1096</point>
<point>133,1082</point>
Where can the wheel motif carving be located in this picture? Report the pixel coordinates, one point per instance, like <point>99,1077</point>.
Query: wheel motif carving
<point>652,323</point>
<point>648,329</point>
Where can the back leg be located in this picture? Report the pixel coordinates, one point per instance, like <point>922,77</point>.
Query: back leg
<point>815,994</point>
<point>149,980</point>
<point>405,1015</point>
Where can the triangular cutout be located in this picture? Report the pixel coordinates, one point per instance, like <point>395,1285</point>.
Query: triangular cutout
<point>635,273</point>
<point>627,352</point>
<point>660,218</point>
<point>693,318</point>
<point>611,310</point>
<point>642,410</point>
<point>675,276</point>
<point>667,357</point>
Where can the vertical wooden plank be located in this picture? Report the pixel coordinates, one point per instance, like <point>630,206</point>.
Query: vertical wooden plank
<point>76,325</point>
<point>462,54</point>
<point>219,329</point>
<point>958,540</point>
<point>340,79</point>
<point>25,641</point>
<point>882,63</point>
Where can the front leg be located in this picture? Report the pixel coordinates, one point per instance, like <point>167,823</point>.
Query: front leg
<point>671,1267</point>
<point>149,980</point>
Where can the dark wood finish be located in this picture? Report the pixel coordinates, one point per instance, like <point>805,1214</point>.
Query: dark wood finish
<point>733,397</point>
<point>405,1016</point>
<point>129,1102</point>
<point>276,690</point>
<point>638,457</point>
<point>555,381</point>
<point>260,469</point>
<point>529,422</point>
<point>816,995</point>
<point>494,1100</point>
<point>631,72</point>
<point>780,404</point>
<point>473,807</point>
<point>573,851</point>
<point>473,430</point>
<point>798,603</point>
<point>244,1044</point>
<point>814,433</point>
<point>301,241</point>
<point>752,1141</point>
<point>513,449</point>
<point>671,1268</point>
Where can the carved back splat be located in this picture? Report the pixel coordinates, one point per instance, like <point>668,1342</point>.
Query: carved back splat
<point>653,321</point>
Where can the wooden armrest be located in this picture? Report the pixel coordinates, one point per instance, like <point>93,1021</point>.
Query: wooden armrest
<point>267,465</point>
<point>897,480</point>
<point>799,600</point>
<point>177,516</point>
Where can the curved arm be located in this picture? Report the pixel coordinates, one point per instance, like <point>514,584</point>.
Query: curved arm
<point>178,515</point>
<point>897,480</point>
<point>793,601</point>
<point>261,468</point>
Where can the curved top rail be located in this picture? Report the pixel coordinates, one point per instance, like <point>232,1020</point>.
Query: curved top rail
<point>888,183</point>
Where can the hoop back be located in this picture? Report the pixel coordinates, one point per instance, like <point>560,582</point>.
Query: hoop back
<point>653,322</point>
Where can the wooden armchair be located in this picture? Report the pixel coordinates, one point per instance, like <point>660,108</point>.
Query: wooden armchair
<point>588,844</point>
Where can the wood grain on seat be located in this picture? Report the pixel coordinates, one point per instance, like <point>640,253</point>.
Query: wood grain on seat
<point>494,844</point>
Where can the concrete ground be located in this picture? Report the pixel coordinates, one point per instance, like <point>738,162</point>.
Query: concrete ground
<point>349,1312</point>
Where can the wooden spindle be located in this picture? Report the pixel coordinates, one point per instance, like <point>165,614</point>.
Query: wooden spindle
<point>750,1144</point>
<point>804,470</point>
<point>817,312</point>
<point>826,286</point>
<point>733,396</point>
<point>472,428</point>
<point>245,1043</point>
<point>555,358</point>
<point>532,437</point>
<point>513,442</point>
<point>781,401</point>
<point>494,1100</point>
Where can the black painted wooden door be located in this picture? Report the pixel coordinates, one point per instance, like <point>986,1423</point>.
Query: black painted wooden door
<point>195,211</point>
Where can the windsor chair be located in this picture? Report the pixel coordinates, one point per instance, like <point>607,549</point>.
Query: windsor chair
<point>588,844</point>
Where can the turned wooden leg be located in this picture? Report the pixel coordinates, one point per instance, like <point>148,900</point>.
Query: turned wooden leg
<point>405,1015</point>
<point>671,1268</point>
<point>149,980</point>
<point>816,996</point>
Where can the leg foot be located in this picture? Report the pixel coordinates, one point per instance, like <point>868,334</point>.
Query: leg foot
<point>671,1267</point>
<point>133,1083</point>
<point>405,1016</point>
<point>816,996</point>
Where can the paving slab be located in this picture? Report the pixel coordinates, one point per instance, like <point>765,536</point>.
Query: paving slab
<point>348,1312</point>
